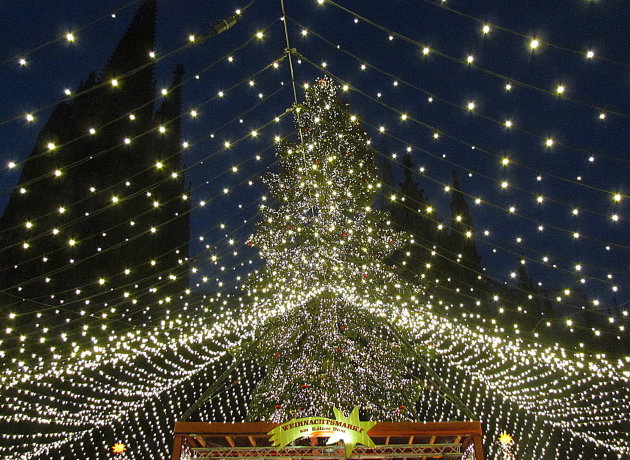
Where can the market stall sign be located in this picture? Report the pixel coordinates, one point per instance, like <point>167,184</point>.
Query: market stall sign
<point>350,430</point>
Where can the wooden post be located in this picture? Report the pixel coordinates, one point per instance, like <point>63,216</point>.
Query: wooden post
<point>177,447</point>
<point>478,447</point>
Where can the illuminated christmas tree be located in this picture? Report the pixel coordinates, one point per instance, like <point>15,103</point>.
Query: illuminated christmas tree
<point>325,286</point>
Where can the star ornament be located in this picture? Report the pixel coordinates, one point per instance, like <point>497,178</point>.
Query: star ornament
<point>356,433</point>
<point>505,438</point>
<point>119,448</point>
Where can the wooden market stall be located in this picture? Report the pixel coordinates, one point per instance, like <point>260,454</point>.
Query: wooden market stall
<point>410,440</point>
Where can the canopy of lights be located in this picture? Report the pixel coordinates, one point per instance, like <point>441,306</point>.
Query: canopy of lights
<point>500,127</point>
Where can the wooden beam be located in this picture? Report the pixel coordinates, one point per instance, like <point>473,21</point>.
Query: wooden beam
<point>201,441</point>
<point>387,441</point>
<point>230,441</point>
<point>478,447</point>
<point>457,440</point>
<point>394,429</point>
<point>418,429</point>
<point>410,440</point>
<point>224,428</point>
<point>252,440</point>
<point>431,441</point>
<point>177,447</point>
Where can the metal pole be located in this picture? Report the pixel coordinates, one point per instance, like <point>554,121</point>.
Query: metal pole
<point>289,51</point>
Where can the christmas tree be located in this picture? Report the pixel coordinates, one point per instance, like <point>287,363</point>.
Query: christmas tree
<point>325,290</point>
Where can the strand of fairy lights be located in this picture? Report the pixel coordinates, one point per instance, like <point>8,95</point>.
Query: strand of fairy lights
<point>467,62</point>
<point>450,188</point>
<point>487,27</point>
<point>541,262</point>
<point>615,196</point>
<point>193,41</point>
<point>510,124</point>
<point>510,210</point>
<point>205,158</point>
<point>96,315</point>
<point>187,292</point>
<point>284,297</point>
<point>501,307</point>
<point>193,112</point>
<point>144,191</point>
<point>243,181</point>
<point>573,233</point>
<point>122,287</point>
<point>577,326</point>
<point>68,37</point>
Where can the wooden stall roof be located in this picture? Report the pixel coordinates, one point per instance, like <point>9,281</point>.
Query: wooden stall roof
<point>380,429</point>
<point>201,435</point>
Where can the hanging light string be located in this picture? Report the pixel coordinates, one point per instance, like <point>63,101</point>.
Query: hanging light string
<point>184,82</point>
<point>481,69</point>
<point>193,42</point>
<point>21,58</point>
<point>66,168</point>
<point>235,143</point>
<point>354,89</point>
<point>514,127</point>
<point>489,26</point>
<point>198,366</point>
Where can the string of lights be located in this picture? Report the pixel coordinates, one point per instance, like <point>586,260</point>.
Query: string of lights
<point>122,287</point>
<point>510,210</point>
<point>116,82</point>
<point>507,124</point>
<point>159,355</point>
<point>560,90</point>
<point>186,145</point>
<point>69,37</point>
<point>488,27</point>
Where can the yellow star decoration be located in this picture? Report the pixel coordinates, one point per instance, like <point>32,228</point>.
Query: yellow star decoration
<point>119,448</point>
<point>505,438</point>
<point>351,438</point>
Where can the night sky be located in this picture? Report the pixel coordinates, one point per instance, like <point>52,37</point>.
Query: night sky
<point>587,165</point>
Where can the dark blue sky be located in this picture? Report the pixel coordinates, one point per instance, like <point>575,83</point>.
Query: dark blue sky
<point>568,179</point>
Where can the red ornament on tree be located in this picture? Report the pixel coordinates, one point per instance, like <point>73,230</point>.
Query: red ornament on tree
<point>344,234</point>
<point>278,406</point>
<point>277,355</point>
